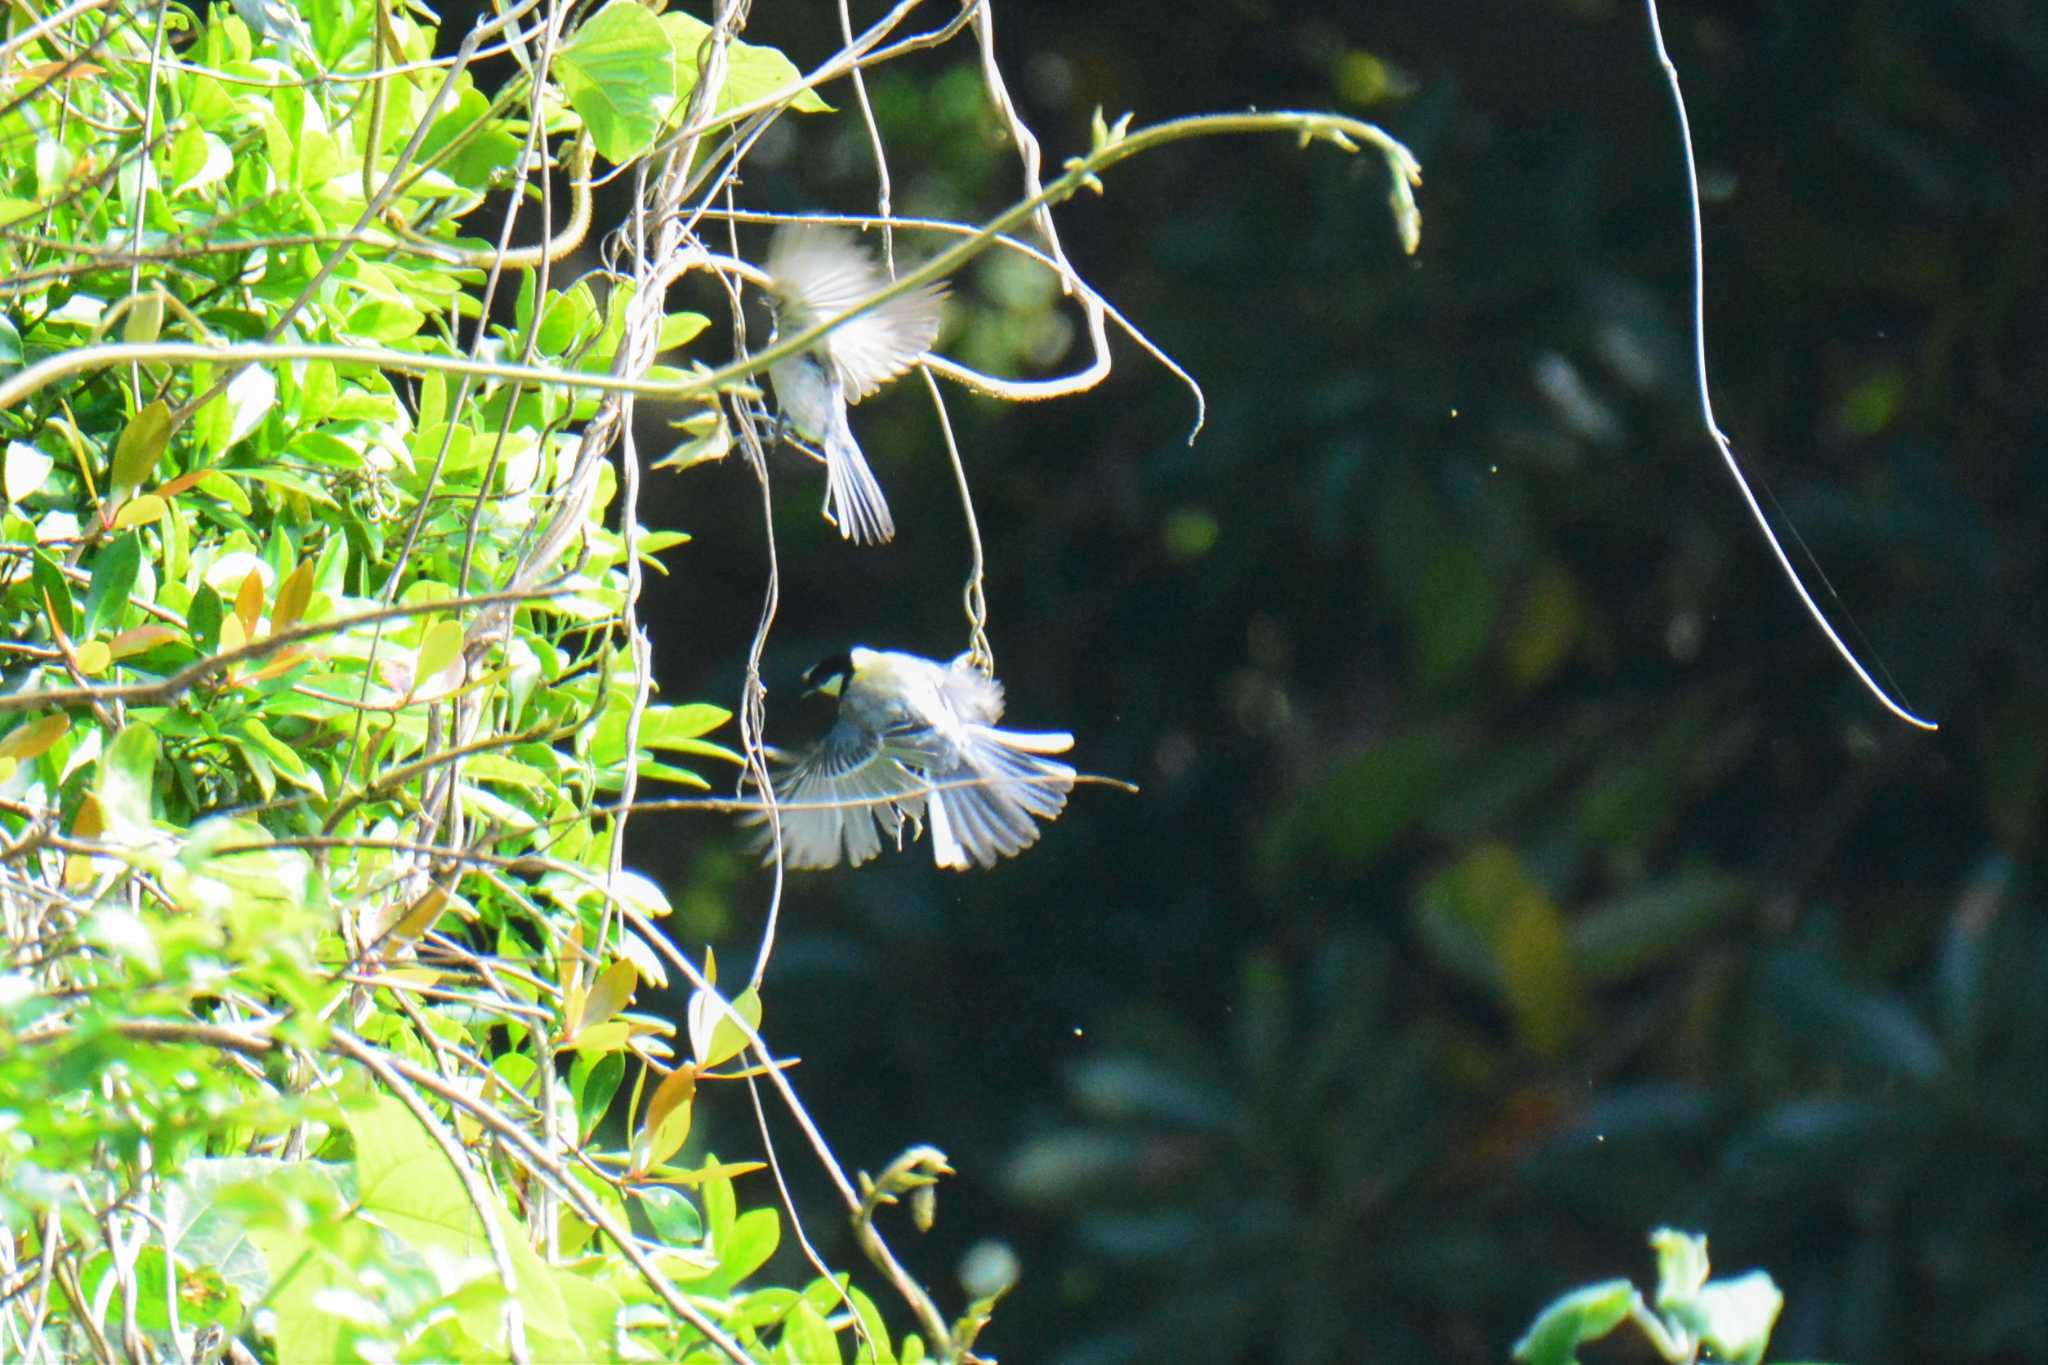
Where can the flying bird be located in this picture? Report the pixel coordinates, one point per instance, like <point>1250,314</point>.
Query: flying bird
<point>915,742</point>
<point>820,273</point>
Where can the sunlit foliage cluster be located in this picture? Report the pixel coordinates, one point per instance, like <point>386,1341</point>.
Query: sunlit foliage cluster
<point>328,700</point>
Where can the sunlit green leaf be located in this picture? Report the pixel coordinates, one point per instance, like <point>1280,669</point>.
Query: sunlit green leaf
<point>1570,1322</point>
<point>1734,1317</point>
<point>753,72</point>
<point>806,1339</point>
<point>674,1217</point>
<point>142,443</point>
<point>619,71</point>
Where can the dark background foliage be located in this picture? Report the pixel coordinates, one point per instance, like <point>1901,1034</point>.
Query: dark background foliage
<point>1515,868</point>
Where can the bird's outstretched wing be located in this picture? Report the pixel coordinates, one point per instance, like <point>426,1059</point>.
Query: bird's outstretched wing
<point>840,799</point>
<point>820,272</point>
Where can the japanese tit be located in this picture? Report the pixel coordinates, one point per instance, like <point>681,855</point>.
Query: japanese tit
<point>915,742</point>
<point>819,273</point>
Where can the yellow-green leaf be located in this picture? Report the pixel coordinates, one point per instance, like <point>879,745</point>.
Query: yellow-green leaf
<point>34,739</point>
<point>420,916</point>
<point>609,994</point>
<point>714,1037</point>
<point>142,511</point>
<point>599,1039</point>
<point>292,596</point>
<point>249,603</point>
<point>442,645</point>
<point>667,1123</point>
<point>141,639</point>
<point>145,319</point>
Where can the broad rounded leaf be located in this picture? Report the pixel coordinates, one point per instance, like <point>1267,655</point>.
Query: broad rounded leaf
<point>619,71</point>
<point>674,1217</point>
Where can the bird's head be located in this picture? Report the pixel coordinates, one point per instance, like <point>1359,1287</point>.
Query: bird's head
<point>829,675</point>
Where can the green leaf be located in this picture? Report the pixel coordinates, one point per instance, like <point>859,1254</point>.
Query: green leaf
<point>114,570</point>
<point>1448,592</point>
<point>710,439</point>
<point>210,1200</point>
<point>1645,929</point>
<point>873,1336</point>
<point>1490,921</point>
<point>667,772</point>
<point>652,543</point>
<point>807,1339</point>
<point>610,993</point>
<point>620,75</point>
<point>310,1268</point>
<point>144,321</point>
<point>1846,1023</point>
<point>287,480</point>
<point>714,1037</point>
<point>1546,628</point>
<point>203,618</point>
<point>1370,801</point>
<point>33,738</point>
<point>755,1235</point>
<point>404,1181</point>
<point>1735,1317</point>
<point>216,484</point>
<point>666,727</point>
<point>142,443</point>
<point>752,72</point>
<point>386,322</point>
<point>763,1308</point>
<point>439,648</point>
<point>259,766</point>
<point>590,1311</point>
<point>666,1124</point>
<point>674,1218</point>
<point>281,755</point>
<point>721,1207</point>
<point>641,894</point>
<point>678,329</point>
<point>1581,1316</point>
<point>53,593</point>
<point>1681,1264</point>
<point>568,318</point>
<point>510,771</point>
<point>199,161</point>
<point>594,1080</point>
<point>127,776</point>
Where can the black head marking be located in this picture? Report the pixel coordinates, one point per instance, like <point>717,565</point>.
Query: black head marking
<point>829,675</point>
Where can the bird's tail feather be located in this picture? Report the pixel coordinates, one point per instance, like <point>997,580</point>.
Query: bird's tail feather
<point>852,496</point>
<point>989,807</point>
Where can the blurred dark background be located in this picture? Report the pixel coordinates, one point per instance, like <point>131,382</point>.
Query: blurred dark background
<point>1516,868</point>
